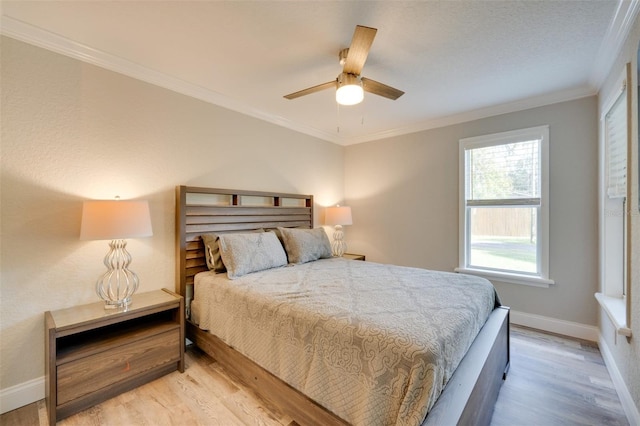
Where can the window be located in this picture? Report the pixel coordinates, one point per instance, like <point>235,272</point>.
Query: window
<point>614,238</point>
<point>504,215</point>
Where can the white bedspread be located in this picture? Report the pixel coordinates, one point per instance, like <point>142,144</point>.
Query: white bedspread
<point>373,343</point>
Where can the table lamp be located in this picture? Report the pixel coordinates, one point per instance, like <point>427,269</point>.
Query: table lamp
<point>338,216</point>
<point>116,220</point>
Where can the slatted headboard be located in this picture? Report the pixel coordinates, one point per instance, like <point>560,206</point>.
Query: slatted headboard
<point>203,210</point>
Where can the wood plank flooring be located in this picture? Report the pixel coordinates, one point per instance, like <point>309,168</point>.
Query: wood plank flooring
<point>553,380</point>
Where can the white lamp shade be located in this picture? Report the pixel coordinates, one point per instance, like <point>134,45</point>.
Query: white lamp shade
<point>115,220</point>
<point>338,216</point>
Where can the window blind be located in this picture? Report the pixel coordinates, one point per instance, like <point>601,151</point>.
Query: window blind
<point>616,140</point>
<point>506,174</point>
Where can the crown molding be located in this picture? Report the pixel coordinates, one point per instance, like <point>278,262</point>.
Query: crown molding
<point>476,114</point>
<point>47,40</point>
<point>616,35</point>
<point>614,39</point>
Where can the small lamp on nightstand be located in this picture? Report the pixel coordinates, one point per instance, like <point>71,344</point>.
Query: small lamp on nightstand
<point>338,216</point>
<point>116,220</point>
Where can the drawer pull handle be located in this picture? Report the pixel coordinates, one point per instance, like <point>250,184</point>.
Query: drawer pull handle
<point>127,367</point>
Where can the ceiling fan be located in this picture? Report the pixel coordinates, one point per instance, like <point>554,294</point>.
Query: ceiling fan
<point>350,85</point>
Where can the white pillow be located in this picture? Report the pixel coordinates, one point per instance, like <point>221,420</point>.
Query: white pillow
<point>246,253</point>
<point>305,245</point>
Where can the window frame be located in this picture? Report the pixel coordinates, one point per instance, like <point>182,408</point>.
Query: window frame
<point>540,279</point>
<point>613,297</point>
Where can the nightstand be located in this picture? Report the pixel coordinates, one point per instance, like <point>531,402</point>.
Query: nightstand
<point>352,256</point>
<point>93,354</point>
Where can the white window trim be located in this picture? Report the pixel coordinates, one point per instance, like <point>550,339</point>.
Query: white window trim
<point>617,308</point>
<point>541,280</point>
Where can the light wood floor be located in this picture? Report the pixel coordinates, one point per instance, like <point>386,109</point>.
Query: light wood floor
<point>553,380</point>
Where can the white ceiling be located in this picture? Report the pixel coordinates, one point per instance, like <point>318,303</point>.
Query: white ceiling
<point>456,60</point>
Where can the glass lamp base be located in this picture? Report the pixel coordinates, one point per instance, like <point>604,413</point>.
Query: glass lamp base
<point>117,304</point>
<point>118,284</point>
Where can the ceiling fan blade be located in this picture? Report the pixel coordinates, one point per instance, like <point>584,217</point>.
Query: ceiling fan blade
<point>310,90</point>
<point>380,89</point>
<point>359,49</point>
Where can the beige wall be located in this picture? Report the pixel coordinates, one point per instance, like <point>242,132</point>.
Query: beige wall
<point>626,352</point>
<point>404,197</point>
<point>72,131</point>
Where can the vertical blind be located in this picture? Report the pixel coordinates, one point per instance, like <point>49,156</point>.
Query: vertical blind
<point>616,142</point>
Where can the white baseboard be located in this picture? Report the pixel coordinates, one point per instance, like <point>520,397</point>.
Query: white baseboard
<point>586,332</point>
<point>553,325</point>
<point>626,400</point>
<point>21,394</point>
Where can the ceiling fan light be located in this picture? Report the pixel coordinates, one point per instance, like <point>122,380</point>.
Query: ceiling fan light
<point>349,90</point>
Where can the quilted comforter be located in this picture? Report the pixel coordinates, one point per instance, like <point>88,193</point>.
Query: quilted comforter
<point>373,343</point>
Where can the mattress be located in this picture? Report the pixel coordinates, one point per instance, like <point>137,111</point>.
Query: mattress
<point>373,343</point>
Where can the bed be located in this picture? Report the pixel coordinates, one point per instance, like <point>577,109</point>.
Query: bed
<point>292,353</point>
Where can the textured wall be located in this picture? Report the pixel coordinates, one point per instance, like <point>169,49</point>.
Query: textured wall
<point>627,352</point>
<point>72,131</point>
<point>404,196</point>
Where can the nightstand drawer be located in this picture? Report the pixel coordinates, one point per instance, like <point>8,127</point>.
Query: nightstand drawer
<point>88,374</point>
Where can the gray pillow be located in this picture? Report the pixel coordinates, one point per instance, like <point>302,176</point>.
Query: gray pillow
<point>212,252</point>
<point>246,253</point>
<point>305,245</point>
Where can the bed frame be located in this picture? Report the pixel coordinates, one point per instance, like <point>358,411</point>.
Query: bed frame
<point>468,398</point>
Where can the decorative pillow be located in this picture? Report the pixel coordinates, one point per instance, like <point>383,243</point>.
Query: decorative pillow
<point>305,245</point>
<point>212,252</point>
<point>279,234</point>
<point>246,253</point>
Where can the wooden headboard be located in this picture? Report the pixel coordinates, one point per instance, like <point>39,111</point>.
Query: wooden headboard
<point>203,210</point>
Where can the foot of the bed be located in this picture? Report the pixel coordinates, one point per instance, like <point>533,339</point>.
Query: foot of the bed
<point>301,408</point>
<point>470,395</point>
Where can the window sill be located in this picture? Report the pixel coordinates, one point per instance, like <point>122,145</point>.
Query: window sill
<point>616,310</point>
<point>508,278</point>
